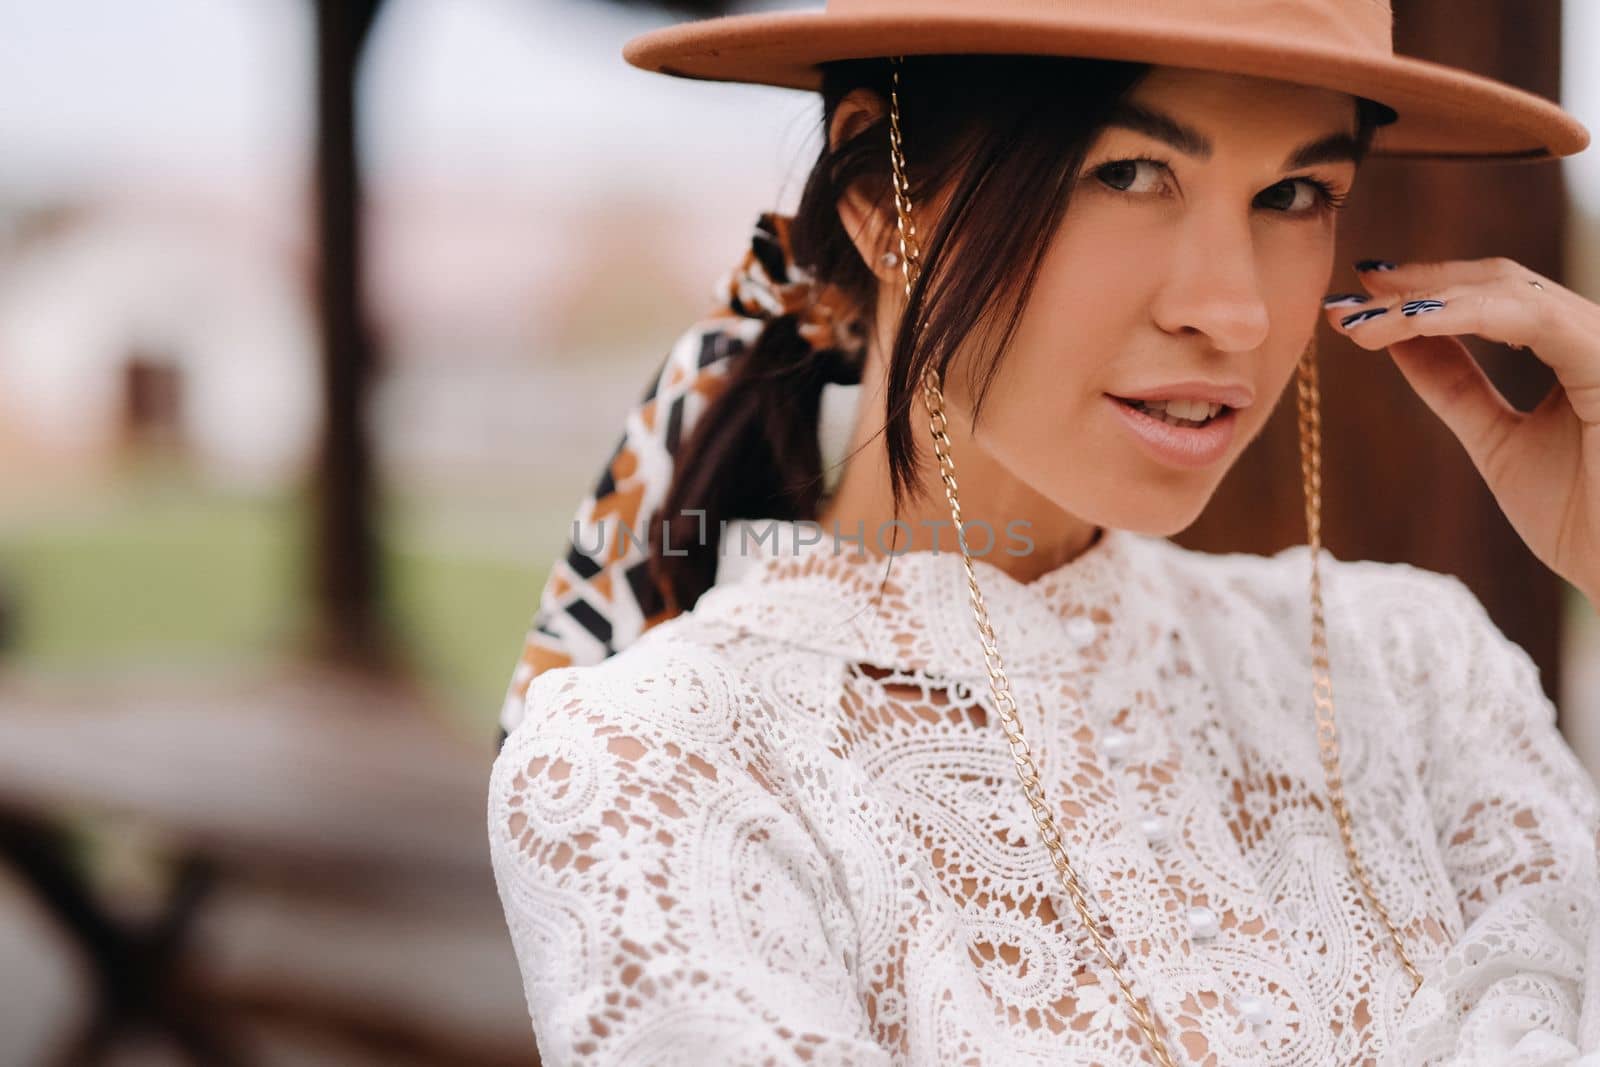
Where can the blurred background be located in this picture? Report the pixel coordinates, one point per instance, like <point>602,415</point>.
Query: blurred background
<point>317,319</point>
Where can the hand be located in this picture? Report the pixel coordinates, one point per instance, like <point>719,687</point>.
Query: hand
<point>1543,465</point>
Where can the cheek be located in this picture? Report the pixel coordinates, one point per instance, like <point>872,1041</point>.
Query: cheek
<point>1296,314</point>
<point>1046,404</point>
<point>1067,337</point>
<point>1085,307</point>
<point>1099,270</point>
<point>1295,318</point>
<point>1041,409</point>
<point>1090,308</point>
<point>1038,387</point>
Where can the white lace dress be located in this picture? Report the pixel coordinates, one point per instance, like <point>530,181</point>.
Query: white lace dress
<point>784,828</point>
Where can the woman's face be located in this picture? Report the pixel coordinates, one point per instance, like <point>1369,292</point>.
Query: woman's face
<point>1206,261</point>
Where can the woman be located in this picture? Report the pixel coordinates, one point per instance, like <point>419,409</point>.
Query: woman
<point>796,774</point>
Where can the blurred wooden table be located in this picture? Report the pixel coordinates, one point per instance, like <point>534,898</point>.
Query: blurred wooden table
<point>327,852</point>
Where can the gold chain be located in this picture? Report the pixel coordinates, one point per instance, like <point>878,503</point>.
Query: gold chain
<point>1322,690</point>
<point>1000,686</point>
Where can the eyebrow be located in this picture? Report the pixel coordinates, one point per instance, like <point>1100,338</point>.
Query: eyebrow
<point>1334,148</point>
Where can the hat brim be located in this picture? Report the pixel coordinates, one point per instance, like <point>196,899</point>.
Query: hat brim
<point>1445,113</point>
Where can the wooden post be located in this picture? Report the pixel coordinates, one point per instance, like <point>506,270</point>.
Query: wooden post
<point>346,565</point>
<point>1397,485</point>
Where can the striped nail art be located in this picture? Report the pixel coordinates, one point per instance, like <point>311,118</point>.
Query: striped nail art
<point>1364,265</point>
<point>1417,307</point>
<point>1344,300</point>
<point>1362,316</point>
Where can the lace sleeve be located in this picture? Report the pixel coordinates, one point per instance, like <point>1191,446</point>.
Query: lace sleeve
<point>664,907</point>
<point>1518,825</point>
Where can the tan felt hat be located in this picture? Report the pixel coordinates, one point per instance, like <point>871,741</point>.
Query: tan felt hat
<point>1347,45</point>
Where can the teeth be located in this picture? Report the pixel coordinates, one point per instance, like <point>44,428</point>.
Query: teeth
<point>1194,410</point>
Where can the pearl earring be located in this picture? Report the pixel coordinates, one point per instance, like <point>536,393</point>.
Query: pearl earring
<point>890,259</point>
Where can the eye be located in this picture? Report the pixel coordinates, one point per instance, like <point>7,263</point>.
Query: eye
<point>1319,196</point>
<point>1292,196</point>
<point>1121,173</point>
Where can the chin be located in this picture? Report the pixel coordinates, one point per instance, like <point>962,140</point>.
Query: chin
<point>1153,512</point>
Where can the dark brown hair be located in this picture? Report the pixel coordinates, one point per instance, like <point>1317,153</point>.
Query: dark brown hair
<point>999,139</point>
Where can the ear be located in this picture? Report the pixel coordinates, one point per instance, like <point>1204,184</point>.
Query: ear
<point>872,230</point>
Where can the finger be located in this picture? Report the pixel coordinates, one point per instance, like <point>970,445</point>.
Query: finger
<point>1494,313</point>
<point>1443,373</point>
<point>1564,334</point>
<point>1423,275</point>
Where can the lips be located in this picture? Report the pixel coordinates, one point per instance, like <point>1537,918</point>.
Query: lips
<point>1234,395</point>
<point>1137,405</point>
<point>1178,446</point>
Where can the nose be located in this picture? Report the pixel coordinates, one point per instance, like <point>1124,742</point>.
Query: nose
<point>1213,284</point>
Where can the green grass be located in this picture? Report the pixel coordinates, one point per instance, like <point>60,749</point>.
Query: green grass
<point>463,621</point>
<point>162,574</point>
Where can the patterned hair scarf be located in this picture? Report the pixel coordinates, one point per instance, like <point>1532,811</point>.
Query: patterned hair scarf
<point>594,605</point>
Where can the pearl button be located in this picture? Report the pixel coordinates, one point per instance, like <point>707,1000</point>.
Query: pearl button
<point>1254,1009</point>
<point>1154,828</point>
<point>1081,630</point>
<point>1116,744</point>
<point>1203,922</point>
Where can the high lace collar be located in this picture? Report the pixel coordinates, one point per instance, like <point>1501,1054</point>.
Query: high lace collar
<point>779,583</point>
